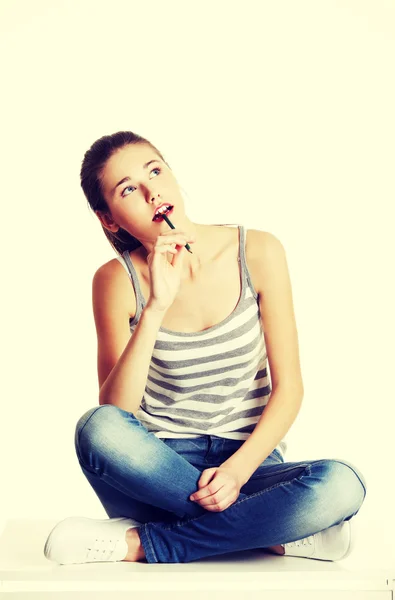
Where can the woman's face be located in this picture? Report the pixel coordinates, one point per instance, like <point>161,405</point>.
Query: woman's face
<point>144,186</point>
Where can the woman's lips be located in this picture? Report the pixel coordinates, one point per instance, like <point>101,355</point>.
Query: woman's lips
<point>160,217</point>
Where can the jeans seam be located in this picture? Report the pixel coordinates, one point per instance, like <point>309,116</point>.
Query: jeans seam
<point>346,465</point>
<point>249,496</point>
<point>263,475</point>
<point>209,446</point>
<point>86,422</point>
<point>78,437</point>
<point>355,473</point>
<point>148,537</point>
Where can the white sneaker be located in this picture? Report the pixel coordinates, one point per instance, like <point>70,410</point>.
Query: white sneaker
<point>334,543</point>
<point>81,540</point>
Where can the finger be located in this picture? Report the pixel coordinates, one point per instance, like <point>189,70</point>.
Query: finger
<point>223,504</point>
<point>203,491</point>
<point>211,498</point>
<point>218,506</point>
<point>210,482</point>
<point>179,239</point>
<point>214,508</point>
<point>221,501</point>
<point>170,232</point>
<point>178,257</point>
<point>163,248</point>
<point>206,477</point>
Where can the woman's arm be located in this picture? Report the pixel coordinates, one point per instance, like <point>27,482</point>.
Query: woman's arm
<point>123,360</point>
<point>273,284</point>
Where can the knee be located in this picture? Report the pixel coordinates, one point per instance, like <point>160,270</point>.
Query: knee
<point>100,413</point>
<point>347,487</point>
<point>358,476</point>
<point>107,433</point>
<point>94,424</point>
<point>104,429</point>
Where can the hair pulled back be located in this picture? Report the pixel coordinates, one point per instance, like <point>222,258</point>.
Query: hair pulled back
<point>93,164</point>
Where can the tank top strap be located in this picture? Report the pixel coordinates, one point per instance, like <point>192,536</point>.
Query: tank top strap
<point>243,262</point>
<point>140,301</point>
<point>242,242</point>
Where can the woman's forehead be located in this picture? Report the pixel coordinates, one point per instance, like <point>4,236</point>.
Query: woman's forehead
<point>130,158</point>
<point>127,162</point>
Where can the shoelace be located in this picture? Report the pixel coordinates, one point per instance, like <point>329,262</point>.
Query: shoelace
<point>102,550</point>
<point>304,542</point>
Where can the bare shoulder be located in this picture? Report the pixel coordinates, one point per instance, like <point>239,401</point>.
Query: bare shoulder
<point>264,254</point>
<point>113,282</point>
<point>258,241</point>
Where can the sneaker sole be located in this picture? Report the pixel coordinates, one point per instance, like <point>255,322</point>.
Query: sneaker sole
<point>351,544</point>
<point>346,526</point>
<point>60,526</point>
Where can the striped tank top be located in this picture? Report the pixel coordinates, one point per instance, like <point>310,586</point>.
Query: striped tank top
<point>210,382</point>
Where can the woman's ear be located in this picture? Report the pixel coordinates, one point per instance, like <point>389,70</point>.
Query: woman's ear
<point>107,221</point>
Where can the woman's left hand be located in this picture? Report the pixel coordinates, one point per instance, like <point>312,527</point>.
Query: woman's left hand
<point>219,487</point>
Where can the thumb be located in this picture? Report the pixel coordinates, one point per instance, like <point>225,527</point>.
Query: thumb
<point>206,477</point>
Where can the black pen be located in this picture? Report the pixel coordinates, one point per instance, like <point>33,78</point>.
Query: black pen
<point>187,246</point>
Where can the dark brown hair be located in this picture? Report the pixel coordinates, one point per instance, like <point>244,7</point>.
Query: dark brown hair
<point>93,163</point>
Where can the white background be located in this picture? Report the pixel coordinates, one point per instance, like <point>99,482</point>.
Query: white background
<point>276,115</point>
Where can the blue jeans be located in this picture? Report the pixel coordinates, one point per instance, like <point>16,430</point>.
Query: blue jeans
<point>137,475</point>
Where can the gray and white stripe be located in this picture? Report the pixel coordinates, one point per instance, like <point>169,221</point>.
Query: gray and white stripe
<point>214,381</point>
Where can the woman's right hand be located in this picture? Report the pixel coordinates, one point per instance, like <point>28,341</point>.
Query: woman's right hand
<point>165,276</point>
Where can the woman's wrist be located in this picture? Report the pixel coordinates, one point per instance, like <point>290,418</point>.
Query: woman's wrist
<point>151,309</point>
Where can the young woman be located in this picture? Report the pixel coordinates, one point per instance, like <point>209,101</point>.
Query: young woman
<point>185,450</point>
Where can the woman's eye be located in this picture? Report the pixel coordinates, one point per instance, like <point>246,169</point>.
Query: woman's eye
<point>126,188</point>
<point>130,186</point>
